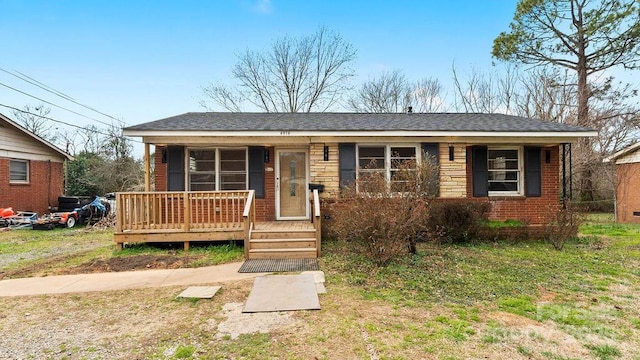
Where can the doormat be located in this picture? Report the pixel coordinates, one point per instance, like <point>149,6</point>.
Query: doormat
<point>279,265</point>
<point>282,293</point>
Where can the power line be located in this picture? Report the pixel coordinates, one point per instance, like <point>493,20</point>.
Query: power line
<point>52,104</point>
<point>61,122</point>
<point>51,90</point>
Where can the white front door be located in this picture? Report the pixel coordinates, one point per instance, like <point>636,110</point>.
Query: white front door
<point>292,194</point>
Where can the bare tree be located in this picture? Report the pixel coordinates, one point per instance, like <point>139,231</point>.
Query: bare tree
<point>427,96</point>
<point>546,94</point>
<point>388,93</point>
<point>484,92</point>
<point>304,74</point>
<point>34,119</point>
<point>392,92</point>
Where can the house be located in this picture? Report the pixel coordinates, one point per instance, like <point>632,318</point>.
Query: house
<point>511,162</point>
<point>627,163</point>
<point>31,169</point>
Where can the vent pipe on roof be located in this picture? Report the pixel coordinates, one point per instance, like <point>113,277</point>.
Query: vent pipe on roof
<point>410,110</point>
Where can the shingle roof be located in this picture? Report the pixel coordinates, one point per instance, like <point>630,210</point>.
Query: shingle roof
<point>226,121</point>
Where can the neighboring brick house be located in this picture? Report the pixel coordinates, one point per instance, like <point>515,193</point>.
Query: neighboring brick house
<point>511,162</point>
<point>31,169</point>
<point>627,163</point>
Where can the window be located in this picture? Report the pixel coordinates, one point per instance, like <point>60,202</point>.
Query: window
<point>19,171</point>
<point>202,170</point>
<point>233,169</point>
<point>217,169</point>
<point>400,158</point>
<point>384,160</point>
<point>504,173</point>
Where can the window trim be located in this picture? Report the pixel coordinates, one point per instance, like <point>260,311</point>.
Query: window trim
<point>28,168</point>
<point>217,165</point>
<point>387,155</point>
<point>521,174</point>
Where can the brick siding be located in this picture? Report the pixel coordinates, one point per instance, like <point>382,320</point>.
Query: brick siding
<point>628,193</point>
<point>160,170</point>
<point>45,185</point>
<point>533,210</point>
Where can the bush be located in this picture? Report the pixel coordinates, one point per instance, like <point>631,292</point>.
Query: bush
<point>564,226</point>
<point>383,220</point>
<point>457,221</point>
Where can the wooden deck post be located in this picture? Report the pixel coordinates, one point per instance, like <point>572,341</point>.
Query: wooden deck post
<point>147,168</point>
<point>187,211</point>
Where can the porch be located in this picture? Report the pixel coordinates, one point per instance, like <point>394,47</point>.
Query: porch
<point>191,216</point>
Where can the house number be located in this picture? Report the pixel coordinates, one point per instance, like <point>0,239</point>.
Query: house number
<point>285,133</point>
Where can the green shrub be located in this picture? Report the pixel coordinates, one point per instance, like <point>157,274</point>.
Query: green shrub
<point>457,221</point>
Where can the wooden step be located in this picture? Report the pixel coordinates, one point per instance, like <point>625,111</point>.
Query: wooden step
<point>290,253</point>
<point>282,234</point>
<point>282,243</point>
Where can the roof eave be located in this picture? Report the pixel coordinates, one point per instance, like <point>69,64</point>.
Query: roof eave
<point>621,153</point>
<point>361,133</point>
<point>36,137</point>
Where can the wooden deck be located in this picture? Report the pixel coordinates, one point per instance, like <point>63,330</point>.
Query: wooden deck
<point>213,216</point>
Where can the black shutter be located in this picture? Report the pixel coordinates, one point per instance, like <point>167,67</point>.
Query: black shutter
<point>431,149</point>
<point>479,170</point>
<point>175,168</point>
<point>256,170</point>
<point>347,163</point>
<point>533,171</point>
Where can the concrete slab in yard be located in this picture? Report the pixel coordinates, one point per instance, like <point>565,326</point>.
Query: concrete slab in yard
<point>318,277</point>
<point>282,293</point>
<point>199,292</point>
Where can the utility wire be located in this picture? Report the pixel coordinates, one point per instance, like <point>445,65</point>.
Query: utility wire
<point>51,90</point>
<point>52,104</point>
<point>61,122</point>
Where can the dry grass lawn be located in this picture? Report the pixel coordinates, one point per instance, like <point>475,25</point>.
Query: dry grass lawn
<point>475,301</point>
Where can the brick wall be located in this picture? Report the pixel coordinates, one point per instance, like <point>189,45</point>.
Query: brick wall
<point>266,208</point>
<point>45,185</point>
<point>534,210</point>
<point>160,171</point>
<point>627,193</point>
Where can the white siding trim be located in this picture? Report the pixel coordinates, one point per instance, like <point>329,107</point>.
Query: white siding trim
<point>28,156</point>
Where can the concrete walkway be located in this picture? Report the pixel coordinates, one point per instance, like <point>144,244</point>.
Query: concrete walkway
<point>122,280</point>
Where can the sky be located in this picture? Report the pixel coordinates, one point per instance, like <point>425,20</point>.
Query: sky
<point>143,60</point>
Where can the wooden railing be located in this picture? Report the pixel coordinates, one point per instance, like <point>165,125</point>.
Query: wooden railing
<point>184,211</point>
<point>249,216</point>
<point>316,218</point>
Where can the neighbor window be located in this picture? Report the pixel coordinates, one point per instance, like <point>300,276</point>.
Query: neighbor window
<point>217,169</point>
<point>384,160</point>
<point>19,171</point>
<point>504,167</point>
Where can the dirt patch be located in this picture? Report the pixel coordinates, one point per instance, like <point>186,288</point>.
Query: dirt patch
<point>117,264</point>
<point>138,262</point>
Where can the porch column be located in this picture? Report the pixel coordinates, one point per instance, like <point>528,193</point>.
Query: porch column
<point>147,168</point>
